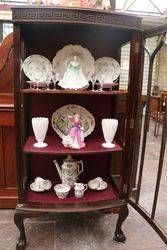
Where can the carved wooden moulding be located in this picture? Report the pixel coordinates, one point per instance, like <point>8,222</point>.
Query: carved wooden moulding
<point>73,15</point>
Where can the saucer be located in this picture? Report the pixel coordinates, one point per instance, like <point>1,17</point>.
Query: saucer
<point>97,184</point>
<point>41,187</point>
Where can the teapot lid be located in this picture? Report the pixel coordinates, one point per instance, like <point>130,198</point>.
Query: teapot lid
<point>69,159</point>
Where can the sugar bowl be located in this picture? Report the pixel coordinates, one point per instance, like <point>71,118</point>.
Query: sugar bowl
<point>62,190</point>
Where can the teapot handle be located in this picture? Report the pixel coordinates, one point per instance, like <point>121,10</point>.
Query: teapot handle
<point>82,167</point>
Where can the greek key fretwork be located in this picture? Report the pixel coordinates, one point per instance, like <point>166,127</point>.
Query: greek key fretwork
<point>70,15</point>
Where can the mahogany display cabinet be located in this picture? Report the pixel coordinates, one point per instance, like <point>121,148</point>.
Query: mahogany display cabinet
<point>45,30</point>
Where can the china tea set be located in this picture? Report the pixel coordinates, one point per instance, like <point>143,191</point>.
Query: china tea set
<point>68,173</point>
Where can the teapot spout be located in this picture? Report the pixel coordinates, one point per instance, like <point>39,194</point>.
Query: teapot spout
<point>58,168</point>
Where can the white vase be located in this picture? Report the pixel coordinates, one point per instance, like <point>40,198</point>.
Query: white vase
<point>40,127</point>
<point>109,127</point>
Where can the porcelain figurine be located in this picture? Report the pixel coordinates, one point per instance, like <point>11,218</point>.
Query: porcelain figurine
<point>69,171</point>
<point>109,127</point>
<point>73,77</point>
<point>62,190</point>
<point>75,135</point>
<point>79,189</point>
<point>40,127</point>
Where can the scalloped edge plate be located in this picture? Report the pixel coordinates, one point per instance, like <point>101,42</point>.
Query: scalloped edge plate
<point>107,69</point>
<point>66,54</point>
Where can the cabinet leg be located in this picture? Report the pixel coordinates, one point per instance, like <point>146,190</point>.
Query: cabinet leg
<point>119,234</point>
<point>18,219</point>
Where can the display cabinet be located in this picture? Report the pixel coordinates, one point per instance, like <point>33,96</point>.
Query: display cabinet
<point>45,30</point>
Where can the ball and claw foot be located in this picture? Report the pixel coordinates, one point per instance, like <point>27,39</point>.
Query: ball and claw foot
<point>120,237</point>
<point>21,244</point>
<point>18,219</point>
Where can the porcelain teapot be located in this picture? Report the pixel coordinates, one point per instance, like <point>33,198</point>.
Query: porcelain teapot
<point>70,170</point>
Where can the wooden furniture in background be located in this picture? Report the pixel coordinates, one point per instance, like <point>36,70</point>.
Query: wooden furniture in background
<point>157,109</point>
<point>8,190</point>
<point>155,90</point>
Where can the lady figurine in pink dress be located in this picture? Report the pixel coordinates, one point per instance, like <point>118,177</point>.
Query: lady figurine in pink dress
<point>75,136</point>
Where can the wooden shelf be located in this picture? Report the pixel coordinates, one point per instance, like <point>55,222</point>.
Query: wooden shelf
<point>49,197</point>
<point>55,147</point>
<point>76,92</point>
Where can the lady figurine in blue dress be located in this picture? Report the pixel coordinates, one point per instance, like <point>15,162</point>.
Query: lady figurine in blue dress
<point>73,77</point>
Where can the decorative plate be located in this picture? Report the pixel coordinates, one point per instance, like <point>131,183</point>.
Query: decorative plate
<point>66,55</point>
<point>107,69</point>
<point>61,122</point>
<point>37,68</point>
<point>97,184</point>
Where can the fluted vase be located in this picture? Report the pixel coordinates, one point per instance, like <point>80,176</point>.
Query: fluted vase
<point>40,127</point>
<point>109,127</point>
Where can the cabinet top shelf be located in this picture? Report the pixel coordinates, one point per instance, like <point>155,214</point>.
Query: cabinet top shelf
<point>75,92</point>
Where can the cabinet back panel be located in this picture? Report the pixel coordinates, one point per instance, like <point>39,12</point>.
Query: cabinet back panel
<point>94,166</point>
<point>44,106</point>
<point>48,39</point>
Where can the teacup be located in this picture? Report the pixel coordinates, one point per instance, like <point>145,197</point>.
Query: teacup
<point>79,189</point>
<point>39,182</point>
<point>62,190</point>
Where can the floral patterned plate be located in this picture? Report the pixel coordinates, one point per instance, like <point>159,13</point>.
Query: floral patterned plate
<point>61,123</point>
<point>37,68</point>
<point>107,69</point>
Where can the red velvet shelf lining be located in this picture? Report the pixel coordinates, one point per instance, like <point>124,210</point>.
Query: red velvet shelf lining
<point>93,146</point>
<point>109,193</point>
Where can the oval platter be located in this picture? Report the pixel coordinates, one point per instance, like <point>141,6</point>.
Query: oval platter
<point>61,123</point>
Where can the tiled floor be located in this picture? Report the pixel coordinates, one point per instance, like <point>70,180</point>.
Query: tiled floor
<point>150,175</point>
<point>79,232</point>
<point>95,231</point>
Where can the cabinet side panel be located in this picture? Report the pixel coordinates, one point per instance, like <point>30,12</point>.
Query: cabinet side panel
<point>17,104</point>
